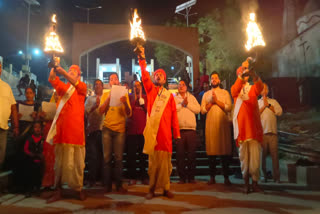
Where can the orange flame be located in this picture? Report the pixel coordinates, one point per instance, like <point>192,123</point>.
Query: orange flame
<point>53,19</point>
<point>52,40</point>
<point>255,37</point>
<point>136,29</point>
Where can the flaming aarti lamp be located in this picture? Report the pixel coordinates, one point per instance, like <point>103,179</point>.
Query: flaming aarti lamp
<point>255,42</point>
<point>137,36</point>
<point>52,44</point>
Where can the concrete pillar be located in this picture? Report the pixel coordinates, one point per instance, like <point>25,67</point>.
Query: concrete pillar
<point>118,68</point>
<point>289,21</point>
<point>152,65</point>
<point>133,66</point>
<point>97,69</point>
<point>10,68</point>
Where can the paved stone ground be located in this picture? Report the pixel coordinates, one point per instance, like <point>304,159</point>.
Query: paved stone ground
<point>189,198</point>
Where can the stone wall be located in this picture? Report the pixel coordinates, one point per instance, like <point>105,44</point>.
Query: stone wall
<point>301,57</point>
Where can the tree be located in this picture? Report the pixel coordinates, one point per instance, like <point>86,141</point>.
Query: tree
<point>221,42</point>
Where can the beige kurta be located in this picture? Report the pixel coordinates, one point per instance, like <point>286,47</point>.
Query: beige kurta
<point>218,133</point>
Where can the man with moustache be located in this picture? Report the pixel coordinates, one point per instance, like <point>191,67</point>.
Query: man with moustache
<point>161,118</point>
<point>216,104</point>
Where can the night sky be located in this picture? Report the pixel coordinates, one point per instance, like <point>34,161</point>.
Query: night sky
<point>13,22</point>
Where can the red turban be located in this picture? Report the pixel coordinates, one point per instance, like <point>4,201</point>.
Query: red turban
<point>162,71</point>
<point>77,68</point>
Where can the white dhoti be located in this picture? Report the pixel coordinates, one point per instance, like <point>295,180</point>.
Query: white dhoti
<point>249,155</point>
<point>69,165</point>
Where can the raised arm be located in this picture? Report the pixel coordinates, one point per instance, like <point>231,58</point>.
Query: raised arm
<point>236,88</point>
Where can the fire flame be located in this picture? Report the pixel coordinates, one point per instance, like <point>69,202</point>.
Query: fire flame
<point>136,29</point>
<point>52,40</point>
<point>255,37</point>
<point>53,19</point>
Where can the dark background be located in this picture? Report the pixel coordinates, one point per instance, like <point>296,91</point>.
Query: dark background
<point>13,22</point>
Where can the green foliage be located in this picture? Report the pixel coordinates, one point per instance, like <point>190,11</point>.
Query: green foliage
<point>221,42</point>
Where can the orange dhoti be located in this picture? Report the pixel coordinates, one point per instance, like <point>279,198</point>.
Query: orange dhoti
<point>160,169</point>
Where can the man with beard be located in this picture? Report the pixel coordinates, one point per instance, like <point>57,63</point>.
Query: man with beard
<point>247,126</point>
<point>161,118</point>
<point>216,103</point>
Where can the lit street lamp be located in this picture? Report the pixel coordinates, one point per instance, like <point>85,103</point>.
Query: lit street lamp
<point>88,9</point>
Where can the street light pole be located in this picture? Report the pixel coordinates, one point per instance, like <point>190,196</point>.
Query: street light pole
<point>88,22</point>
<point>27,56</point>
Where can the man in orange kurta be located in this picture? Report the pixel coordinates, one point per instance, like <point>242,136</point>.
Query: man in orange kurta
<point>247,124</point>
<point>68,127</point>
<point>161,105</point>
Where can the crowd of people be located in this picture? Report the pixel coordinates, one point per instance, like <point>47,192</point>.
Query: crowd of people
<point>53,152</point>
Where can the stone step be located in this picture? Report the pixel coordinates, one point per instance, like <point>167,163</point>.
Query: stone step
<point>4,179</point>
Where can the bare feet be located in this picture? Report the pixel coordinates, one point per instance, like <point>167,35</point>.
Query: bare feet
<point>192,181</point>
<point>255,187</point>
<point>150,195</point>
<point>55,197</point>
<point>82,195</point>
<point>122,190</point>
<point>212,181</point>
<point>132,182</point>
<point>227,182</point>
<point>168,194</point>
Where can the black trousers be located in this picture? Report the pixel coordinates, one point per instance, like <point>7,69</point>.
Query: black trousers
<point>135,145</point>
<point>186,154</point>
<point>94,156</point>
<point>225,160</point>
<point>33,172</point>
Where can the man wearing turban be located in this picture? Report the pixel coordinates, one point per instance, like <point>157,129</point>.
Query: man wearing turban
<point>68,130</point>
<point>247,124</point>
<point>161,118</point>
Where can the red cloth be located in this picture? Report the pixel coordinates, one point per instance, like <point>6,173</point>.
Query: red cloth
<point>169,118</point>
<point>49,159</point>
<point>204,78</point>
<point>70,124</point>
<point>249,121</point>
<point>137,121</point>
<point>161,71</point>
<point>26,146</point>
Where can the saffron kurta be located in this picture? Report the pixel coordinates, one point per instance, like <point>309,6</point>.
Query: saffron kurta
<point>218,132</point>
<point>169,117</point>
<point>249,122</point>
<point>70,124</point>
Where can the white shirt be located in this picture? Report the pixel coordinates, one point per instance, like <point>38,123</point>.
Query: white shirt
<point>6,100</point>
<point>186,115</point>
<point>268,117</point>
<point>94,119</point>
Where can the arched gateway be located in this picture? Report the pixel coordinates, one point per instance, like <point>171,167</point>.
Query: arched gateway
<point>88,37</point>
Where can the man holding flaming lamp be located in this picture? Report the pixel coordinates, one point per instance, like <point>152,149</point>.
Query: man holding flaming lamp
<point>68,125</point>
<point>248,131</point>
<point>161,118</point>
